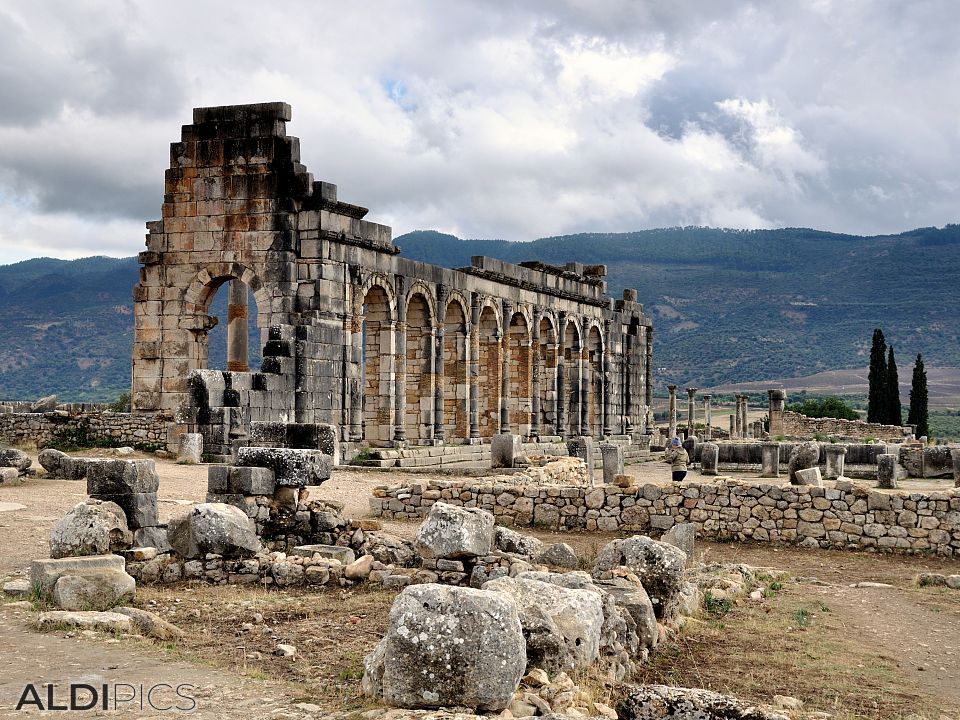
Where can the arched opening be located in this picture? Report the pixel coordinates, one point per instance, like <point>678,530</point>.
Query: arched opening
<point>234,343</point>
<point>456,388</point>
<point>572,365</point>
<point>594,382</point>
<point>548,378</point>
<point>488,380</point>
<point>377,378</point>
<point>418,419</point>
<point>519,400</point>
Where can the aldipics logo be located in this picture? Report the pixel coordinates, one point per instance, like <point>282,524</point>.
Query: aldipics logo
<point>161,697</point>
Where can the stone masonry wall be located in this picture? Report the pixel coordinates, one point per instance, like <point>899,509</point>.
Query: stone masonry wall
<point>796,425</point>
<point>107,427</point>
<point>845,516</point>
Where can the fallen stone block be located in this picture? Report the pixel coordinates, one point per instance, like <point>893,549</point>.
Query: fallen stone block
<point>13,458</point>
<point>683,536</point>
<point>90,620</point>
<point>646,702</point>
<point>45,573</point>
<point>332,552</point>
<point>155,537</point>
<point>93,527</point>
<point>121,477</point>
<point>139,508</point>
<point>213,528</point>
<point>808,476</point>
<point>17,588</point>
<point>510,541</point>
<point>191,449</point>
<point>454,532</point>
<point>658,565</point>
<point>150,624</point>
<point>292,468</point>
<point>93,589</point>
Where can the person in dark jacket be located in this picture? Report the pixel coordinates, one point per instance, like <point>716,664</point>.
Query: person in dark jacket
<point>678,459</point>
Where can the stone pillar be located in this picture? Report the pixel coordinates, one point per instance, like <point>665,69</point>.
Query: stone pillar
<point>586,380</point>
<point>955,458</point>
<point>672,410</point>
<point>399,430</point>
<point>707,417</point>
<point>887,471</point>
<point>356,379</point>
<point>561,396</point>
<point>574,378</point>
<point>744,423</point>
<point>770,459</point>
<point>582,447</point>
<point>709,458</point>
<point>537,373</point>
<point>474,368</point>
<point>606,379</point>
<point>776,398</point>
<point>649,378</point>
<point>691,412</point>
<point>238,356</point>
<point>733,429</point>
<point>612,461</point>
<point>505,368</point>
<point>738,415</point>
<point>438,430</point>
<point>835,456</point>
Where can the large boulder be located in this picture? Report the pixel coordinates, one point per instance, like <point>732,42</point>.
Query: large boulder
<point>93,590</point>
<point>213,528</point>
<point>937,462</point>
<point>453,532</point>
<point>93,527</point>
<point>389,549</point>
<point>660,702</point>
<point>11,457</point>
<point>510,541</point>
<point>659,567</point>
<point>292,468</point>
<point>448,647</point>
<point>561,626</point>
<point>635,601</point>
<point>802,457</point>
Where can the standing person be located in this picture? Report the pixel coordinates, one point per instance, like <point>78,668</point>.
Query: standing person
<point>678,459</point>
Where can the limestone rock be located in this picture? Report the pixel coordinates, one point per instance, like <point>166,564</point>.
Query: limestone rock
<point>13,458</point>
<point>561,626</point>
<point>453,532</point>
<point>61,466</point>
<point>659,567</point>
<point>151,624</point>
<point>937,462</point>
<point>656,702</point>
<point>44,404</point>
<point>191,449</point>
<point>359,569</point>
<point>448,646</point>
<point>808,476</point>
<point>122,477</point>
<point>683,536</point>
<point>93,527</point>
<point>155,537</point>
<point>559,555</point>
<point>389,549</point>
<point>292,468</point>
<point>45,573</point>
<point>510,541</point>
<point>93,590</point>
<point>634,599</point>
<point>17,588</point>
<point>213,528</point>
<point>802,456</point>
<point>8,474</point>
<point>89,620</point>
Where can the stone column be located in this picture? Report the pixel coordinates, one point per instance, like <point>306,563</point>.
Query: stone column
<point>672,410</point>
<point>586,380</point>
<point>733,430</point>
<point>709,458</point>
<point>474,368</point>
<point>505,369</point>
<point>574,378</point>
<point>537,372</point>
<point>561,399</point>
<point>835,457</point>
<point>438,430</point>
<point>691,412</point>
<point>770,459</point>
<point>357,379</point>
<point>745,423</point>
<point>238,356</point>
<point>776,400</point>
<point>955,458</point>
<point>399,430</point>
<point>740,430</point>
<point>648,389</point>
<point>626,380</point>
<point>707,416</point>
<point>606,382</point>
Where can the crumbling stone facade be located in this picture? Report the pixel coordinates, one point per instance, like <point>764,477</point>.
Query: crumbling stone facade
<point>387,349</point>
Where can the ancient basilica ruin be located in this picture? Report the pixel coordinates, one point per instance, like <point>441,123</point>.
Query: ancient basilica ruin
<point>388,350</point>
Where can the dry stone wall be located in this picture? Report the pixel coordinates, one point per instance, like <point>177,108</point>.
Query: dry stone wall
<point>845,516</point>
<point>94,427</point>
<point>796,425</point>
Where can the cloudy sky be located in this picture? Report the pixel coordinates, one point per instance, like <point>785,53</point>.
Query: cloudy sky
<point>493,119</point>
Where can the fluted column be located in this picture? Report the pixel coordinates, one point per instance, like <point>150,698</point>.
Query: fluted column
<point>672,410</point>
<point>691,411</point>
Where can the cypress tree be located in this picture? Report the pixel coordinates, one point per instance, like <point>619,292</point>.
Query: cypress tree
<point>918,398</point>
<point>877,378</point>
<point>894,413</point>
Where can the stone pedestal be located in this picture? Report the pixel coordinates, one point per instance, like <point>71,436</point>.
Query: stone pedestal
<point>191,449</point>
<point>612,461</point>
<point>709,458</point>
<point>770,456</point>
<point>776,399</point>
<point>503,449</point>
<point>582,447</point>
<point>955,457</point>
<point>809,476</point>
<point>887,471</point>
<point>835,457</point>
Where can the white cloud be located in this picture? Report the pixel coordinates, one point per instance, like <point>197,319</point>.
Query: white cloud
<point>491,119</point>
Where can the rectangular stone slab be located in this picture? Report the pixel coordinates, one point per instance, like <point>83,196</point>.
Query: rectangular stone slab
<point>45,573</point>
<point>333,552</point>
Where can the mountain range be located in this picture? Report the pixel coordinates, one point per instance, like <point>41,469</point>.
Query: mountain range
<point>728,306</point>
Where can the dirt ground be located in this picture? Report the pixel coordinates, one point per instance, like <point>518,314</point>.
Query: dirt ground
<point>899,645</point>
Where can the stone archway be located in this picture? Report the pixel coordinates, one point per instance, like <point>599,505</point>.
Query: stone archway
<point>488,367</point>
<point>456,396</point>
<point>519,404</point>
<point>377,366</point>
<point>418,420</point>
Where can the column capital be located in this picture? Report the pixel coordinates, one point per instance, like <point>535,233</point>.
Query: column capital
<point>691,391</point>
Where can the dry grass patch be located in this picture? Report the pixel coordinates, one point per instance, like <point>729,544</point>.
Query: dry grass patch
<point>238,629</point>
<point>790,644</point>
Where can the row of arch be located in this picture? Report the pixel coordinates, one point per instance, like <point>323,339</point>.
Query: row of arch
<point>435,366</point>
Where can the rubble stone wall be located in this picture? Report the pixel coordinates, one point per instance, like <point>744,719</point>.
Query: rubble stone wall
<point>846,516</point>
<point>796,425</point>
<point>96,427</point>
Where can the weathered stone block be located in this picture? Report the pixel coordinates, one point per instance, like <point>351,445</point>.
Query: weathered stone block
<point>504,448</point>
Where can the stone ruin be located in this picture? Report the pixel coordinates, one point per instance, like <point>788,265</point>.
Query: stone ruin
<point>390,351</point>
